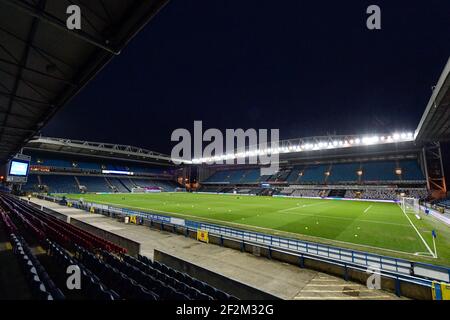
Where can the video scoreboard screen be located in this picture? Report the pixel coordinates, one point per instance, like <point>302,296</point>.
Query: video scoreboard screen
<point>18,169</point>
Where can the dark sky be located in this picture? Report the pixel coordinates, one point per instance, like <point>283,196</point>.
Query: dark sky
<point>305,67</point>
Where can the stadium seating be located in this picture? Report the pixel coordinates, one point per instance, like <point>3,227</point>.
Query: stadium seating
<point>307,193</point>
<point>343,173</point>
<point>91,288</point>
<point>84,164</point>
<point>107,272</point>
<point>235,176</point>
<point>314,174</point>
<point>287,191</point>
<point>68,183</point>
<point>444,203</point>
<point>147,170</point>
<point>60,183</point>
<point>88,165</point>
<point>246,176</point>
<point>42,287</point>
<point>339,173</point>
<point>411,170</point>
<point>279,176</point>
<point>189,286</point>
<point>45,225</point>
<point>218,177</point>
<point>129,184</point>
<point>118,185</point>
<point>294,175</point>
<point>49,162</point>
<point>379,171</point>
<point>251,176</point>
<point>121,283</point>
<point>163,185</point>
<point>94,184</point>
<point>32,183</point>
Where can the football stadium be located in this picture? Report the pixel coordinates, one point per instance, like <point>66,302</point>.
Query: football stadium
<point>353,217</point>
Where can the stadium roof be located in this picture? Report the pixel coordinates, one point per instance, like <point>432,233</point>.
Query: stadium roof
<point>97,149</point>
<point>43,64</point>
<point>323,145</point>
<point>435,122</point>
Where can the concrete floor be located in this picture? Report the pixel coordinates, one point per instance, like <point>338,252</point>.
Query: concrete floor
<point>279,279</point>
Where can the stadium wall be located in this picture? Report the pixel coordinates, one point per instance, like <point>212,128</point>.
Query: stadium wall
<point>231,286</point>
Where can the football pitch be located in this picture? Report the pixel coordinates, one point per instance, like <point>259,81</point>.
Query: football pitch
<point>376,227</point>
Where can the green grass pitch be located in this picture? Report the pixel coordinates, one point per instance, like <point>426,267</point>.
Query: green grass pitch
<point>375,227</point>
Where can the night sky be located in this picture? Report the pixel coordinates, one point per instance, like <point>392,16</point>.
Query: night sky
<point>305,67</point>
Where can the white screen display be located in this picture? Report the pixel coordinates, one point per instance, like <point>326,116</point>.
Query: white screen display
<point>18,168</point>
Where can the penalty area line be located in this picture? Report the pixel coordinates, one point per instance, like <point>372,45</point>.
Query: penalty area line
<point>417,231</point>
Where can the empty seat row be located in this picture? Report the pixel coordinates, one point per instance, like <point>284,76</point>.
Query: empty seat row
<point>180,276</point>
<point>8,222</point>
<point>91,286</point>
<point>113,278</point>
<point>61,231</point>
<point>41,285</point>
<point>166,286</point>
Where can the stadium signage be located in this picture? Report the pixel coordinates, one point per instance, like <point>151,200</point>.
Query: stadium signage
<point>128,173</point>
<point>241,147</point>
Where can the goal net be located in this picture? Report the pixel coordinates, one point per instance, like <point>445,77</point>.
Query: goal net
<point>410,205</point>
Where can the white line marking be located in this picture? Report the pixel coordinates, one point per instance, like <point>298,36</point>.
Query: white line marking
<point>368,208</point>
<point>435,250</point>
<point>303,206</point>
<point>422,254</point>
<point>423,240</point>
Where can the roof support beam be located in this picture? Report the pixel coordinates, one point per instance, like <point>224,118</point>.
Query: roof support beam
<point>10,95</point>
<point>17,129</point>
<point>23,61</point>
<point>38,72</point>
<point>54,21</point>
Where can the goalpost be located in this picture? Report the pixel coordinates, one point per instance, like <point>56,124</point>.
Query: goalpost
<point>410,205</point>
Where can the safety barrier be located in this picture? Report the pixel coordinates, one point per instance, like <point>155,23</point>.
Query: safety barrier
<point>414,272</point>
